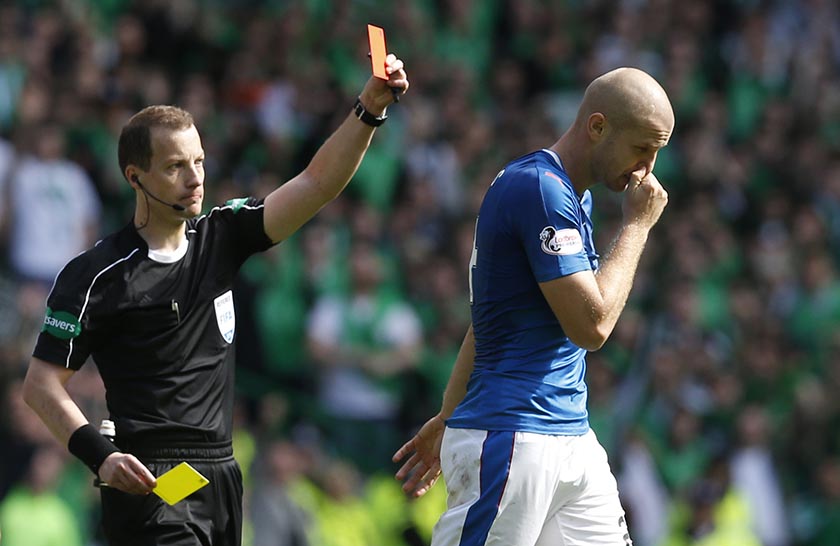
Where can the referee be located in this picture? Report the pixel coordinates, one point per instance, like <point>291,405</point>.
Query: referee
<point>152,305</point>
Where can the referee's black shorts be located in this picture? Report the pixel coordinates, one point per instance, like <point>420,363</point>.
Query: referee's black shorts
<point>211,516</point>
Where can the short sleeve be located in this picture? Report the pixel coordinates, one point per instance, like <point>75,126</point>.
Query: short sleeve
<point>551,228</point>
<point>64,337</point>
<point>246,216</point>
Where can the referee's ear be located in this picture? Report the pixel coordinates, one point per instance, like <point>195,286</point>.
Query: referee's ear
<point>132,177</point>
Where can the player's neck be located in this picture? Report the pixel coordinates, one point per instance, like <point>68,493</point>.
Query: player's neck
<point>574,161</point>
<point>161,235</point>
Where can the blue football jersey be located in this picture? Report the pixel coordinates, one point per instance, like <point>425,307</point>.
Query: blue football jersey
<point>528,376</point>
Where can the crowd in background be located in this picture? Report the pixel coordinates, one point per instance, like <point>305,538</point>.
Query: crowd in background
<point>716,396</point>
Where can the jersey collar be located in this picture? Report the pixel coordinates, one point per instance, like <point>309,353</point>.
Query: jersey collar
<point>556,158</point>
<point>131,239</point>
<point>170,257</point>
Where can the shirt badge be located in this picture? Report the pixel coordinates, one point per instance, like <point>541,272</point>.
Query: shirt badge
<point>61,324</point>
<point>225,315</point>
<point>560,242</point>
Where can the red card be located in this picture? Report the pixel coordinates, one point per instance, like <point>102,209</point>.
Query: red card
<point>376,38</point>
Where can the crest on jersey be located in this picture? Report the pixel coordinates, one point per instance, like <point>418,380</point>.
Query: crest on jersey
<point>225,315</point>
<point>237,203</point>
<point>560,242</point>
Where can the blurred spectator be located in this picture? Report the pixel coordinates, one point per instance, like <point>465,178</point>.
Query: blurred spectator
<point>342,518</point>
<point>53,207</point>
<point>712,512</point>
<point>432,161</point>
<point>827,518</point>
<point>276,518</point>
<point>367,345</point>
<point>642,493</point>
<point>32,514</point>
<point>684,453</point>
<point>754,473</point>
<point>20,434</point>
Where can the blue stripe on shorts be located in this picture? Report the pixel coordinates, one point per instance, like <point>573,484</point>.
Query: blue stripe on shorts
<point>496,454</point>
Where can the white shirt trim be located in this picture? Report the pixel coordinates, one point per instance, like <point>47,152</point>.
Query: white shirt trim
<point>87,299</point>
<point>556,158</point>
<point>170,256</point>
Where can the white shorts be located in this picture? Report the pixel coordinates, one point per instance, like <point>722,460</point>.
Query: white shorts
<point>525,489</point>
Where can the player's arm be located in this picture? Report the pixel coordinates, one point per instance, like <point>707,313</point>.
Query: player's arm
<point>456,387</point>
<point>45,391</point>
<point>588,304</point>
<point>295,202</point>
<point>422,469</point>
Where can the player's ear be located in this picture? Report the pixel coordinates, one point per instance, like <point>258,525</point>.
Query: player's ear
<point>596,126</point>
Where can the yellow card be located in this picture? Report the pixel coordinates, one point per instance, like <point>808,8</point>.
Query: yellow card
<point>175,485</point>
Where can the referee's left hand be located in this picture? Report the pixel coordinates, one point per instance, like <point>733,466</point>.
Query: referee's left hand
<point>125,472</point>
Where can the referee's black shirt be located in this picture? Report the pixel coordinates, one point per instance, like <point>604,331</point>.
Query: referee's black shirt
<point>161,334</point>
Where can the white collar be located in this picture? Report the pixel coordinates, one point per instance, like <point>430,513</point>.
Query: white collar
<point>170,256</point>
<point>556,158</point>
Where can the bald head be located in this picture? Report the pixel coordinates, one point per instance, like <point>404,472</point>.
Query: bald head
<point>627,97</point>
<point>624,119</point>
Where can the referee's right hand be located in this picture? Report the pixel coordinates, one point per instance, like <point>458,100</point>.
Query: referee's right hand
<point>125,472</point>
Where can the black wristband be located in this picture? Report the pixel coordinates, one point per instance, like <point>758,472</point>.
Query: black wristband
<point>367,118</point>
<point>90,447</point>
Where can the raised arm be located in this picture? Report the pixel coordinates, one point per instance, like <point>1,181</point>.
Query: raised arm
<point>291,205</point>
<point>588,304</point>
<point>45,391</point>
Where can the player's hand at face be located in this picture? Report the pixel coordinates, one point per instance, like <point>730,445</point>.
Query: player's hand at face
<point>125,472</point>
<point>644,200</point>
<point>378,94</point>
<point>422,469</point>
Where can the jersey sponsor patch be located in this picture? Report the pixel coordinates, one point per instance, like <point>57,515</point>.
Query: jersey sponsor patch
<point>237,203</point>
<point>61,324</point>
<point>560,242</point>
<point>225,316</point>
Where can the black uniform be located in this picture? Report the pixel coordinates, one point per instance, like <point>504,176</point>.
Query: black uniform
<point>161,335</point>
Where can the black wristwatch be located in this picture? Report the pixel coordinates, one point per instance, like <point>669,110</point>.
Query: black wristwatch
<point>366,117</point>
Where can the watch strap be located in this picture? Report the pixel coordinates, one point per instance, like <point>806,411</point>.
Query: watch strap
<point>366,117</point>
